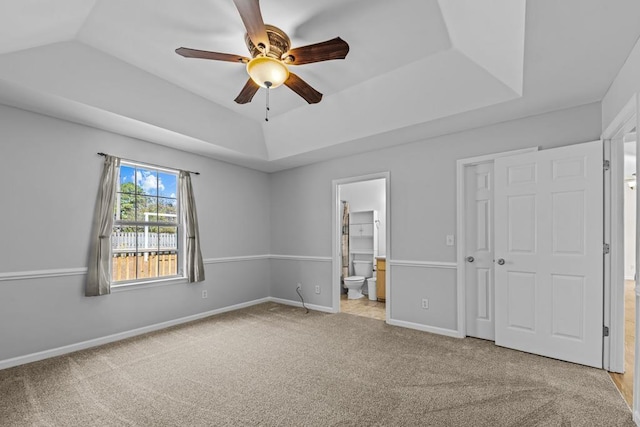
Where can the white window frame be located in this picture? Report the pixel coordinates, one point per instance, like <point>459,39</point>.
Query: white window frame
<point>180,276</point>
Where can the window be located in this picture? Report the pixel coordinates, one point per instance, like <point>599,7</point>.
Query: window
<point>145,242</point>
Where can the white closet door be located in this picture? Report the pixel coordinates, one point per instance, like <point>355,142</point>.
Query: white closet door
<point>549,233</point>
<point>479,244</point>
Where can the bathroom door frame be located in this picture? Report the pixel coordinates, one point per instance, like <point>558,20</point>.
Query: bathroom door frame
<point>335,239</point>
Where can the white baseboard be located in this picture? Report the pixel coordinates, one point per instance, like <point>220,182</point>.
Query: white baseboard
<point>425,328</point>
<point>34,357</point>
<point>299,304</point>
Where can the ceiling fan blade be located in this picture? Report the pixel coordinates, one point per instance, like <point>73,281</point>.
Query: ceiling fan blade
<point>252,19</point>
<point>205,54</point>
<point>248,91</point>
<point>303,89</point>
<point>324,51</point>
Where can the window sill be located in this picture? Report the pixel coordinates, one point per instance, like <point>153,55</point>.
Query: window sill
<point>120,287</point>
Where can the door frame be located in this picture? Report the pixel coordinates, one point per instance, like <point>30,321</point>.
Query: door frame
<point>461,233</point>
<point>613,349</point>
<point>336,226</point>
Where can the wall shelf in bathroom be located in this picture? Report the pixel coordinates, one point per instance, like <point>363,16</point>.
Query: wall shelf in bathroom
<point>363,237</point>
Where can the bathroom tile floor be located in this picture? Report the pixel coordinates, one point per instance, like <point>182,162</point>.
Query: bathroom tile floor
<point>362,307</point>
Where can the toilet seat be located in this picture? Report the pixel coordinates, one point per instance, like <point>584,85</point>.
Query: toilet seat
<point>354,285</point>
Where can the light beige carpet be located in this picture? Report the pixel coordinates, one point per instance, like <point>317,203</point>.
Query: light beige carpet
<point>275,365</point>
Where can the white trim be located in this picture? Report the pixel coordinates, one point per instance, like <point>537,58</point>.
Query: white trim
<point>461,164</point>
<point>235,259</point>
<point>613,346</point>
<point>59,351</point>
<point>609,152</point>
<point>299,304</point>
<point>622,123</point>
<point>122,287</point>
<point>423,264</point>
<point>62,272</point>
<point>301,258</point>
<point>42,274</point>
<point>335,230</point>
<point>424,328</point>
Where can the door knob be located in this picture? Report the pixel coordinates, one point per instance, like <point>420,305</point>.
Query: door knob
<point>470,259</point>
<point>501,261</point>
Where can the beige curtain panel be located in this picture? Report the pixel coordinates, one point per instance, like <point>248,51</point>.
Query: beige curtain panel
<point>194,264</point>
<point>99,270</point>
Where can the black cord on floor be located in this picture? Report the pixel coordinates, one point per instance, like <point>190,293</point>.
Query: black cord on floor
<point>301,299</point>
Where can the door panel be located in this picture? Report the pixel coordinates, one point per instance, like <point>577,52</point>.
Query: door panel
<point>568,303</point>
<point>521,297</point>
<point>549,231</point>
<point>483,284</point>
<point>479,243</point>
<point>568,212</point>
<point>522,223</point>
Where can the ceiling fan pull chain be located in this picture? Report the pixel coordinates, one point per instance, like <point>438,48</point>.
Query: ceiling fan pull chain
<point>266,113</point>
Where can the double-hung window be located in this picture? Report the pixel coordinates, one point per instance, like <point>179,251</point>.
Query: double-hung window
<point>146,240</point>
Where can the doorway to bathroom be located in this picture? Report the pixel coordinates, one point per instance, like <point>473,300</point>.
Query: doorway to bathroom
<point>361,245</point>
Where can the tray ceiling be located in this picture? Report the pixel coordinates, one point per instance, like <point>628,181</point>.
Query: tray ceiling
<point>415,68</point>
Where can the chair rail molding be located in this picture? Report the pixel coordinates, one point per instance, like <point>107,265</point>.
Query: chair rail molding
<point>79,271</point>
<point>235,259</point>
<point>42,274</point>
<point>423,264</point>
<point>301,258</point>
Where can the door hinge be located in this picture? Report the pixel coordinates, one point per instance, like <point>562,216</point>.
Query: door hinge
<point>605,248</point>
<point>605,331</point>
<point>606,165</point>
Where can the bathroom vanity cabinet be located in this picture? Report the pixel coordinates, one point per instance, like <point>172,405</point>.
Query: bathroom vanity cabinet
<point>381,281</point>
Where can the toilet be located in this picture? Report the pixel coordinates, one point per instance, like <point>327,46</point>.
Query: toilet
<point>363,270</point>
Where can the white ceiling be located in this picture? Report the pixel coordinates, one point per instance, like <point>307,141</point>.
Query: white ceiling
<point>416,69</point>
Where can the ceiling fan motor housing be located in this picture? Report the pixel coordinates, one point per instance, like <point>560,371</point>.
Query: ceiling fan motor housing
<point>279,40</point>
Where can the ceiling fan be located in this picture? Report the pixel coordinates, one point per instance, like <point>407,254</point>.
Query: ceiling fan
<point>270,52</point>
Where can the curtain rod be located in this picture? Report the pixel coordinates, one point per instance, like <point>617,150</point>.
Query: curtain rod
<point>150,164</point>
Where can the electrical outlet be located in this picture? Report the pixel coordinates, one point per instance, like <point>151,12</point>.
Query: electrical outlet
<point>450,240</point>
<point>299,287</point>
<point>204,294</point>
<point>317,289</point>
<point>425,303</point>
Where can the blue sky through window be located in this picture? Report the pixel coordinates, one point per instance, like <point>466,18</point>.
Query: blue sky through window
<point>150,181</point>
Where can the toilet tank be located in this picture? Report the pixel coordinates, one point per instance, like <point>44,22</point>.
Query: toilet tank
<point>363,268</point>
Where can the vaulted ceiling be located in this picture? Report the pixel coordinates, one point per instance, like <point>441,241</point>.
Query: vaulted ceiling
<point>416,69</point>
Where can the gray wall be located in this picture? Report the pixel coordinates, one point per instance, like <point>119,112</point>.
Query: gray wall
<point>50,171</point>
<point>423,207</point>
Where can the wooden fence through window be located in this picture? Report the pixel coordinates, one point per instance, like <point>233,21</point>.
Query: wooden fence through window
<point>146,265</point>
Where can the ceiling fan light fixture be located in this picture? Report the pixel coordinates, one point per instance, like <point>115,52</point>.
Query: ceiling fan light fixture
<point>263,69</point>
